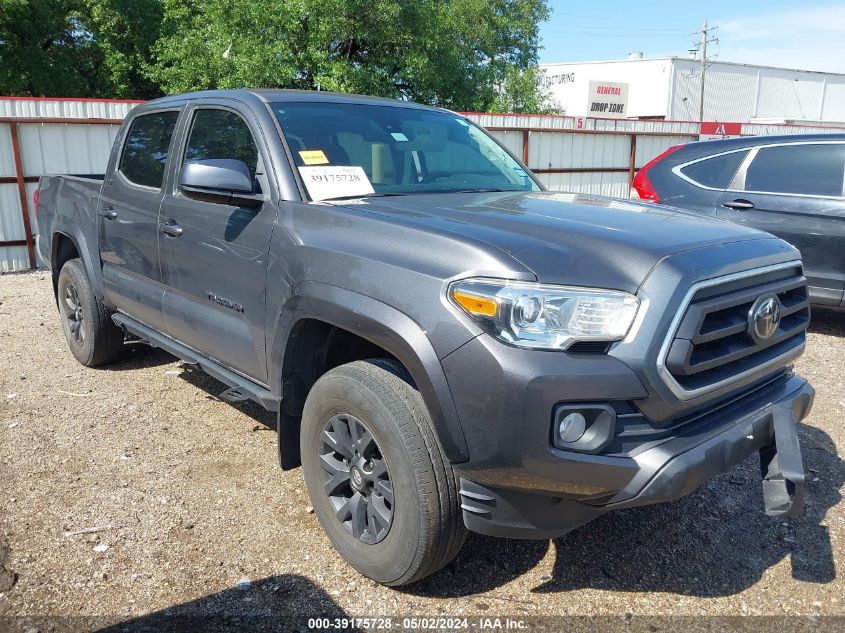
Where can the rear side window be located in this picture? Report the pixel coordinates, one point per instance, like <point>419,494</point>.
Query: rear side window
<point>716,172</point>
<point>145,150</point>
<point>219,134</point>
<point>815,170</point>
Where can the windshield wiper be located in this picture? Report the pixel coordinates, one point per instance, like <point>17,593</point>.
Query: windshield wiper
<point>391,194</point>
<point>366,195</point>
<point>483,190</point>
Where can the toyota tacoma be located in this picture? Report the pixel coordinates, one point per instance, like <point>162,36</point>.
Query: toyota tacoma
<point>447,345</point>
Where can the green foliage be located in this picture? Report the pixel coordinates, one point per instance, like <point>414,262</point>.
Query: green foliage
<point>460,54</point>
<point>446,52</point>
<point>522,91</point>
<point>125,31</point>
<point>44,50</point>
<point>77,48</point>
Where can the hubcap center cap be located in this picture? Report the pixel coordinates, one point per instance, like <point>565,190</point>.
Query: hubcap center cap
<point>356,478</point>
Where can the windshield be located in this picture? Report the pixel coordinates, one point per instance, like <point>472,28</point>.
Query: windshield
<point>348,150</point>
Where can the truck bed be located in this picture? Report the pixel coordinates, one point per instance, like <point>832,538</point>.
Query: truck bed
<point>68,205</point>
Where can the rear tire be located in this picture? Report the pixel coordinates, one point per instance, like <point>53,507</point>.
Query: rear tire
<point>404,481</point>
<point>90,333</point>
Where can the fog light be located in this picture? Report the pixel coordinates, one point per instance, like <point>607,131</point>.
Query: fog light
<point>572,427</point>
<point>584,427</point>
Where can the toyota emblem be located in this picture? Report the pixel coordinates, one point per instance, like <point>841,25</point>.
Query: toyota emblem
<point>764,318</point>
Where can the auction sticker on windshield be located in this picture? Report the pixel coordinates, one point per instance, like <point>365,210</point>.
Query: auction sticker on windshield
<point>330,181</point>
<point>313,157</point>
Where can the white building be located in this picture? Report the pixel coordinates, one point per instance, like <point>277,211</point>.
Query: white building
<point>669,88</point>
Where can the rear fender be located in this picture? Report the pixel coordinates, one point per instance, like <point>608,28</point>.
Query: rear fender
<point>85,254</point>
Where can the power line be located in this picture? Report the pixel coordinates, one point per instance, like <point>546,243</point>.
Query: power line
<point>563,30</point>
<point>569,15</point>
<point>701,45</point>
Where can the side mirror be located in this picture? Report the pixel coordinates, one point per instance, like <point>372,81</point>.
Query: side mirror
<point>219,178</point>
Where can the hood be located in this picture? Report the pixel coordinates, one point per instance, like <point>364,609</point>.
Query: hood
<point>564,238</point>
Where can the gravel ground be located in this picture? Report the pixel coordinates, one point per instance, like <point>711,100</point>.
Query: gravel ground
<point>191,503</point>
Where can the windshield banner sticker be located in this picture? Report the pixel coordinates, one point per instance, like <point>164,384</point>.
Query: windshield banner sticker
<point>324,183</point>
<point>313,157</point>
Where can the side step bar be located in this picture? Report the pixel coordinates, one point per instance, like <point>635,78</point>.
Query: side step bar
<point>240,388</point>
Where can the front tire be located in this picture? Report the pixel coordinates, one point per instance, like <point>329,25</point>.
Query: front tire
<point>90,333</point>
<point>378,480</point>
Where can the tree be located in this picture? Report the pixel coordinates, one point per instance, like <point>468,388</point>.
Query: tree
<point>452,53</point>
<point>45,50</point>
<point>523,91</point>
<point>124,31</point>
<point>77,48</point>
<point>460,54</point>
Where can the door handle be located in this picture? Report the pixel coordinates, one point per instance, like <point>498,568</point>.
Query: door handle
<point>109,213</point>
<point>739,205</point>
<point>170,228</point>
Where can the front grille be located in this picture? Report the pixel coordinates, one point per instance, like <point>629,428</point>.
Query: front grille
<point>713,342</point>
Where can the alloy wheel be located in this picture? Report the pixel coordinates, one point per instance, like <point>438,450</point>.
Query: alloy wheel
<point>73,314</point>
<point>357,480</point>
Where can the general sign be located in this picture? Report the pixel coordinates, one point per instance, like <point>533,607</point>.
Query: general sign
<point>608,99</point>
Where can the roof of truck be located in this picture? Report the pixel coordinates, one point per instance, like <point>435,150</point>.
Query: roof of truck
<point>282,96</point>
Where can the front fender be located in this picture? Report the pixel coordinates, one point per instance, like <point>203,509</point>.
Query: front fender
<point>389,329</point>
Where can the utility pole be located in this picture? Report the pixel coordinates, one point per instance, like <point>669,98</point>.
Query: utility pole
<point>705,40</point>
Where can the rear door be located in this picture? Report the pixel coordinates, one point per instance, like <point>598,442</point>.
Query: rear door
<point>128,217</point>
<point>797,192</point>
<point>698,185</point>
<point>215,270</point>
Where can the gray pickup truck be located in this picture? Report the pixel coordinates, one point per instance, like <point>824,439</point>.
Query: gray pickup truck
<point>448,346</point>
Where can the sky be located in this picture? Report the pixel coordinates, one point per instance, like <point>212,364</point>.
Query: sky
<point>808,35</point>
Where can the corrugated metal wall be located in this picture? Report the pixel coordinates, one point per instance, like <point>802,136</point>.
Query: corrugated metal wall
<point>584,155</point>
<point>54,136</point>
<point>739,92</point>
<point>594,156</point>
<point>11,224</point>
<point>21,107</point>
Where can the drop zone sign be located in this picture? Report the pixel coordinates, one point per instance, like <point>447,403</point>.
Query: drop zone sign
<point>608,99</point>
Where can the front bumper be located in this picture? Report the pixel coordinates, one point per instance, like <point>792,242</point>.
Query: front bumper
<point>765,422</point>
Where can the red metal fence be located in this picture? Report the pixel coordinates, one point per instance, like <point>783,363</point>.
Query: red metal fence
<point>588,155</point>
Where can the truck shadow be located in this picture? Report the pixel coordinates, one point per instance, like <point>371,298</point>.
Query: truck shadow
<point>715,542</point>
<point>139,355</point>
<point>213,388</point>
<point>827,322</point>
<point>277,603</point>
<point>136,355</point>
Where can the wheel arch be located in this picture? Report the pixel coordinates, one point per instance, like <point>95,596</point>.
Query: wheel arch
<point>67,245</point>
<point>382,326</point>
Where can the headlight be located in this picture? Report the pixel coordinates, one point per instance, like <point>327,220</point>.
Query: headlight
<point>545,317</point>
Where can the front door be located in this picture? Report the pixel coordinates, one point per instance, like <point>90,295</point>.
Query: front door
<point>128,218</point>
<point>795,192</point>
<point>214,264</point>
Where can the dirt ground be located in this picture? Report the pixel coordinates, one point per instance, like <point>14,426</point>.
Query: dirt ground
<point>196,517</point>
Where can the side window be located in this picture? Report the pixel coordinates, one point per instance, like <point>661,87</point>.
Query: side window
<point>716,172</point>
<point>219,134</point>
<point>815,170</point>
<point>145,149</point>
